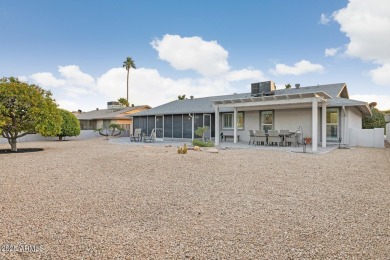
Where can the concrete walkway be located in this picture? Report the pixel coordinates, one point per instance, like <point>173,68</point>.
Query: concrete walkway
<point>228,145</point>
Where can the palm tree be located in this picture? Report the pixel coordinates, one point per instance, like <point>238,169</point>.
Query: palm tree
<point>128,64</point>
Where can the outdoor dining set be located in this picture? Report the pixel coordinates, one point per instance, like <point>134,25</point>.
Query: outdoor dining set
<point>274,137</point>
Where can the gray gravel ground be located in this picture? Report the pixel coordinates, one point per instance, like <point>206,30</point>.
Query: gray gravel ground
<point>95,200</point>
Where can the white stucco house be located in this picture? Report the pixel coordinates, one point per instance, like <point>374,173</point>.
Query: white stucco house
<point>323,112</point>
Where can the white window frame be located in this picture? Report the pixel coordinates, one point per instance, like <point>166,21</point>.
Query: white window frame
<point>224,115</point>
<point>261,119</point>
<point>333,124</point>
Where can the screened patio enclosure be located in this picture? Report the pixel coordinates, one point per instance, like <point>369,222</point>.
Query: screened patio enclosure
<point>175,125</point>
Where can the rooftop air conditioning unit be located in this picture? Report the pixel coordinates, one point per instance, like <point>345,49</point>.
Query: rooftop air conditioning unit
<point>264,88</point>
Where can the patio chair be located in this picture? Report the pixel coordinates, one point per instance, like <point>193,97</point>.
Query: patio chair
<point>152,136</point>
<point>284,134</point>
<point>274,137</point>
<point>260,137</point>
<point>136,137</point>
<point>292,139</point>
<point>251,137</point>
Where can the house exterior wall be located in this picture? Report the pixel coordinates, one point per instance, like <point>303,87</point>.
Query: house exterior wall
<point>354,118</point>
<point>287,119</point>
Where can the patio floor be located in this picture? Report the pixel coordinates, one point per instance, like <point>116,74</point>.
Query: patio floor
<point>231,145</point>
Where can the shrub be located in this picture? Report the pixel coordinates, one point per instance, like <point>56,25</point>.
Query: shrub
<point>202,144</point>
<point>182,150</point>
<point>377,120</point>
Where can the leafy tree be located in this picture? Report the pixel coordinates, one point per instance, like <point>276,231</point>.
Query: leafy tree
<point>377,120</point>
<point>128,64</point>
<point>70,125</point>
<point>26,109</point>
<point>200,131</point>
<point>123,102</point>
<point>288,86</point>
<point>181,97</point>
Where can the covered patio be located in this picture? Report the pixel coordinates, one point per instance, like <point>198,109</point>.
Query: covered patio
<point>281,102</point>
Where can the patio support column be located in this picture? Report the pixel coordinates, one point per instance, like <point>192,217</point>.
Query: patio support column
<point>323,124</point>
<point>314,130</point>
<point>216,126</point>
<point>235,125</point>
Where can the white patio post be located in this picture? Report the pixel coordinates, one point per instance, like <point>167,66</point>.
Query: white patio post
<point>192,127</point>
<point>235,125</point>
<point>323,124</point>
<point>314,120</point>
<point>216,125</point>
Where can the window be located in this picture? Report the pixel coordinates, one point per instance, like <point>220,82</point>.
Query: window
<point>332,123</point>
<point>267,120</point>
<point>227,120</point>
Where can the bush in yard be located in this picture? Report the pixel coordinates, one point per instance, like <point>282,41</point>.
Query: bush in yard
<point>377,120</point>
<point>70,125</point>
<point>202,144</point>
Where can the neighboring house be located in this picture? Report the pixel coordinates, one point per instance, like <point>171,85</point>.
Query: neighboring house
<point>324,112</point>
<point>102,118</point>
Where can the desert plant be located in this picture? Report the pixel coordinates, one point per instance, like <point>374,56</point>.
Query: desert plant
<point>182,150</point>
<point>200,131</point>
<point>200,143</point>
<point>111,128</point>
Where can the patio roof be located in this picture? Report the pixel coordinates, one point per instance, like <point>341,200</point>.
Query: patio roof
<point>283,99</point>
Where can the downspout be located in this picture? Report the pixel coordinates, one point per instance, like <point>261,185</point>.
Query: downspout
<point>192,128</point>
<point>344,141</point>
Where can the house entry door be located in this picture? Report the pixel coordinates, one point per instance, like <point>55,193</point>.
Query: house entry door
<point>207,122</point>
<point>159,128</point>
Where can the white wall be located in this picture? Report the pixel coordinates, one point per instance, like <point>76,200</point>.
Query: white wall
<point>291,119</point>
<point>388,132</point>
<point>84,134</point>
<point>367,137</point>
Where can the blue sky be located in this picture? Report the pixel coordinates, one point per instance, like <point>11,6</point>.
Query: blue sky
<point>201,48</point>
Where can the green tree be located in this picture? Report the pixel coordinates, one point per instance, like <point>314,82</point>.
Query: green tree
<point>123,102</point>
<point>200,131</point>
<point>70,125</point>
<point>26,109</point>
<point>377,120</point>
<point>181,97</point>
<point>128,64</point>
<point>288,86</point>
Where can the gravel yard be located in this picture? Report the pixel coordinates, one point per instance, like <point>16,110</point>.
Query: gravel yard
<point>95,200</point>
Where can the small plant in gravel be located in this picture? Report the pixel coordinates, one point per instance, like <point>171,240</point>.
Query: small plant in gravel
<point>182,150</point>
<point>202,144</point>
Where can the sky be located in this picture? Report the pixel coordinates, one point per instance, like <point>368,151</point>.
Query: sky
<point>198,48</point>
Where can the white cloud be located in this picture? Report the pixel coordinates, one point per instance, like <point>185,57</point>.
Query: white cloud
<point>148,87</point>
<point>382,100</point>
<point>192,53</point>
<point>79,90</point>
<point>367,25</point>
<point>331,52</point>
<point>381,75</point>
<point>299,68</point>
<point>324,19</point>
<point>245,74</point>
<point>74,76</point>
<point>46,79</point>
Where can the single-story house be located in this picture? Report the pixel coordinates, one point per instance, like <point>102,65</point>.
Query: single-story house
<point>114,113</point>
<point>323,112</point>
